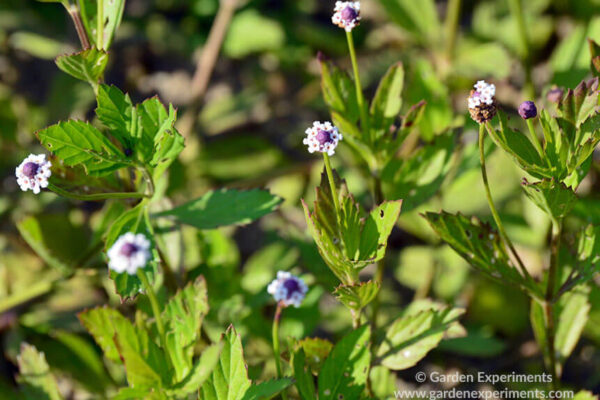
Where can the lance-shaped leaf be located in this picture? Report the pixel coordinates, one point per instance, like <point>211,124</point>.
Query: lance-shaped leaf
<point>183,317</point>
<point>387,102</point>
<point>79,143</point>
<point>303,376</point>
<point>344,373</point>
<point>229,380</point>
<point>419,177</point>
<point>338,90</point>
<point>520,148</point>
<point>480,246</point>
<point>352,240</point>
<point>35,378</point>
<point>224,207</point>
<point>572,314</point>
<point>554,198</point>
<point>266,390</point>
<point>357,296</point>
<point>417,332</point>
<point>135,220</point>
<point>87,65</point>
<point>145,363</point>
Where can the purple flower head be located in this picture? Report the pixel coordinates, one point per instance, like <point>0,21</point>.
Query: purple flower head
<point>33,173</point>
<point>346,14</point>
<point>129,253</point>
<point>482,102</point>
<point>322,137</point>
<point>288,289</point>
<point>527,110</point>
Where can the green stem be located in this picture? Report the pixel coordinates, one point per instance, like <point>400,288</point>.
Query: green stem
<point>536,140</point>
<point>275,333</point>
<point>549,303</point>
<point>96,196</point>
<point>100,26</point>
<point>154,304</point>
<point>364,119</point>
<point>516,9</point>
<point>451,26</point>
<point>495,215</point>
<point>334,194</point>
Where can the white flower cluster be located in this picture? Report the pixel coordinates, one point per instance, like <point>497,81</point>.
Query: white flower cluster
<point>129,253</point>
<point>346,14</point>
<point>484,94</point>
<point>322,137</point>
<point>288,289</point>
<point>33,173</point>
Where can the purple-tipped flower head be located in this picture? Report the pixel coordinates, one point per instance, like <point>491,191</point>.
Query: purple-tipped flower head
<point>346,14</point>
<point>33,173</point>
<point>288,289</point>
<point>482,102</point>
<point>322,137</point>
<point>129,253</point>
<point>527,110</point>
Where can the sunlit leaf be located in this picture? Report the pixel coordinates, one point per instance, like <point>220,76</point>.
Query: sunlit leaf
<point>87,65</point>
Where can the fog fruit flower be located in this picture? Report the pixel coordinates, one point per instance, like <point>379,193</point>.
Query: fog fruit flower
<point>346,14</point>
<point>33,173</point>
<point>482,102</point>
<point>288,289</point>
<point>527,110</point>
<point>129,253</point>
<point>322,137</point>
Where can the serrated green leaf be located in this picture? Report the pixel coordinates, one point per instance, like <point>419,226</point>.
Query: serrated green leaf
<point>35,377</point>
<point>87,65</point>
<point>414,334</point>
<point>135,220</point>
<point>201,370</point>
<point>303,376</point>
<point>224,207</point>
<point>387,102</point>
<point>338,90</point>
<point>266,390</point>
<point>122,342</point>
<point>116,111</point>
<point>418,178</point>
<point>520,148</point>
<point>555,199</point>
<point>579,104</point>
<point>229,380</point>
<point>480,246</point>
<point>344,372</point>
<point>79,143</point>
<point>357,296</point>
<point>167,148</point>
<point>113,13</point>
<point>183,316</point>
<point>354,241</point>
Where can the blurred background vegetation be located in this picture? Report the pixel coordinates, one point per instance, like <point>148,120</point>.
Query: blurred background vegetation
<point>246,130</point>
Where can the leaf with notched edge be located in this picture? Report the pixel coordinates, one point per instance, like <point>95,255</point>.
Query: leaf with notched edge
<point>357,296</point>
<point>87,65</point>
<point>555,199</point>
<point>356,240</point>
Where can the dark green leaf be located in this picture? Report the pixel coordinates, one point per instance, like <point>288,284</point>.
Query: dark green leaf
<point>268,389</point>
<point>79,143</point>
<point>555,199</point>
<point>117,112</point>
<point>113,13</point>
<point>224,207</point>
<point>338,90</point>
<point>303,376</point>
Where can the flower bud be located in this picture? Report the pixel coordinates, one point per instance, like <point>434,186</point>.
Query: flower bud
<point>555,95</point>
<point>527,110</point>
